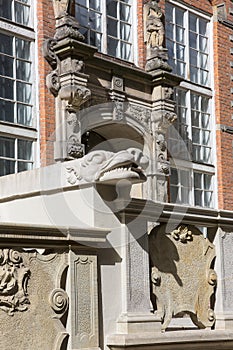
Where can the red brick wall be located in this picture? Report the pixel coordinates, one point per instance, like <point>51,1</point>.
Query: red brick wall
<point>46,26</point>
<point>223,109</point>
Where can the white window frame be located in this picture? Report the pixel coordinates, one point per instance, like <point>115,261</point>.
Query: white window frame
<point>192,168</point>
<point>205,90</point>
<point>16,159</point>
<point>104,34</point>
<point>15,130</point>
<point>203,16</point>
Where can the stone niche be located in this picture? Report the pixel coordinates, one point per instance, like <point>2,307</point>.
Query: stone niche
<point>33,303</point>
<point>182,277</point>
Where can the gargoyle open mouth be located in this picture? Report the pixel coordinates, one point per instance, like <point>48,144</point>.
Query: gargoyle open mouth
<point>130,171</point>
<point>105,166</point>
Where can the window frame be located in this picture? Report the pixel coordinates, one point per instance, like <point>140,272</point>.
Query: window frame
<point>105,36</point>
<point>201,15</point>
<point>15,130</point>
<point>187,163</point>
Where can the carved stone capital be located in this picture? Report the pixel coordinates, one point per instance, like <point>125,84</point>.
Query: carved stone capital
<point>159,62</point>
<point>76,95</point>
<point>162,120</point>
<point>67,26</point>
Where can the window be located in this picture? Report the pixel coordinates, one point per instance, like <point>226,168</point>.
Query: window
<point>191,187</point>
<point>17,83</point>
<point>15,155</point>
<point>15,80</point>
<point>190,140</point>
<point>16,10</point>
<point>107,24</point>
<point>188,45</point>
<point>194,138</point>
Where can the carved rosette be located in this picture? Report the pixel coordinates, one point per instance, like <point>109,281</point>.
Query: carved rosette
<point>14,275</point>
<point>59,300</point>
<point>182,278</point>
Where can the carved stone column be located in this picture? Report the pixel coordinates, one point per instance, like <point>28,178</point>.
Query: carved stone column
<point>67,82</point>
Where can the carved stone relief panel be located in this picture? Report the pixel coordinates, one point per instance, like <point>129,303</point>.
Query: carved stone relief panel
<point>32,299</point>
<point>183,280</point>
<point>14,275</point>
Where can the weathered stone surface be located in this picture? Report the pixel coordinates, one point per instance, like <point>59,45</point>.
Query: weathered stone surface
<point>36,327</point>
<point>84,301</point>
<point>182,278</point>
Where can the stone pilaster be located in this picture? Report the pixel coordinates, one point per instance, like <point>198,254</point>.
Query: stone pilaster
<point>224,263</point>
<point>136,314</point>
<point>83,310</point>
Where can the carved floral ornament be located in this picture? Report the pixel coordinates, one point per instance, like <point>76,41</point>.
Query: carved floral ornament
<point>14,277</point>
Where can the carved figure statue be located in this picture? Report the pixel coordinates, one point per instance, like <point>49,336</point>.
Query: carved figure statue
<point>104,166</point>
<point>61,7</point>
<point>154,25</point>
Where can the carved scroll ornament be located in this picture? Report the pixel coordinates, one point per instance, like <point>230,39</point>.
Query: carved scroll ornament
<point>182,278</point>
<point>14,277</point>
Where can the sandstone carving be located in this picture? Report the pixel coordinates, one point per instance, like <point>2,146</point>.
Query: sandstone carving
<point>182,278</point>
<point>14,277</point>
<point>108,166</point>
<point>59,300</point>
<point>61,7</point>
<point>154,25</point>
<point>154,33</point>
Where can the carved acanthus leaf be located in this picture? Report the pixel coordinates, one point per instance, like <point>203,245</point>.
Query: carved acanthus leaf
<point>14,275</point>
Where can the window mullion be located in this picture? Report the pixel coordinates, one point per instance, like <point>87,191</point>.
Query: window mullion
<point>186,42</point>
<point>104,28</point>
<point>15,80</point>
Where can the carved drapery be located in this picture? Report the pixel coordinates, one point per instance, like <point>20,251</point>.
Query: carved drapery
<point>154,37</point>
<point>183,280</point>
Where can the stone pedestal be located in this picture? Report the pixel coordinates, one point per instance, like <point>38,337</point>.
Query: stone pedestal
<point>136,314</point>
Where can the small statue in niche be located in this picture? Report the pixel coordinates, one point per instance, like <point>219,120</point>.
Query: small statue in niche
<point>154,26</point>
